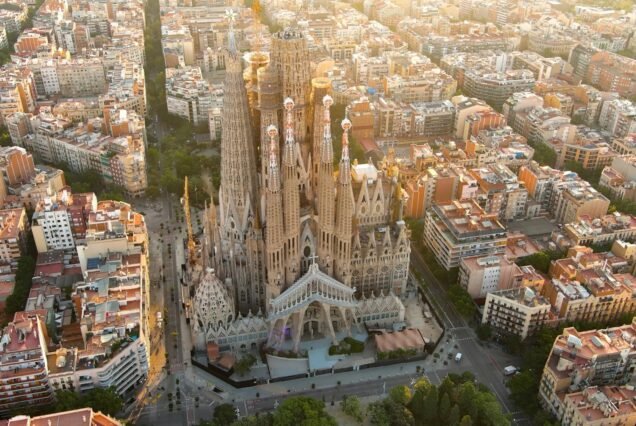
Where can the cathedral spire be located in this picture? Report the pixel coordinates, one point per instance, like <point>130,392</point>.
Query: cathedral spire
<point>239,224</point>
<point>275,228</point>
<point>345,163</point>
<point>344,211</point>
<point>230,15</point>
<point>290,142</point>
<point>326,192</point>
<point>274,180</point>
<point>326,152</point>
<point>291,196</point>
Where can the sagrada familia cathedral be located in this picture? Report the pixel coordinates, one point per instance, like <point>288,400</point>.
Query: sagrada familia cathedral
<point>296,247</point>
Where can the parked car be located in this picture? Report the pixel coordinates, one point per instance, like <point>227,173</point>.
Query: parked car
<point>458,357</point>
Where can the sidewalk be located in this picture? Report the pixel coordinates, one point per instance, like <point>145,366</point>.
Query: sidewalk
<point>198,377</point>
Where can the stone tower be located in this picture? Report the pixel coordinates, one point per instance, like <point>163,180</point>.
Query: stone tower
<point>274,229</point>
<point>345,211</point>
<point>291,197</point>
<point>255,61</point>
<point>325,191</point>
<point>239,224</point>
<point>320,87</point>
<point>270,103</point>
<point>290,56</point>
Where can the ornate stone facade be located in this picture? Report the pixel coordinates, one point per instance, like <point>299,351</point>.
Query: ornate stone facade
<point>307,251</point>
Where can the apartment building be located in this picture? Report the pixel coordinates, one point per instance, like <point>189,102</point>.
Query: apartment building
<point>413,120</point>
<point>77,77</point>
<point>518,103</point>
<point>582,258</point>
<point>618,117</point>
<point>499,146</point>
<point>188,94</point>
<point>500,192</point>
<point>436,46</point>
<point>13,18</point>
<point>602,230</point>
<point>113,299</point>
<point>621,184</point>
<point>429,86</point>
<point>33,40</point>
<point>433,119</point>
<point>542,68</point>
<point>426,184</point>
<point>612,73</point>
<point>600,406</point>
<point>60,220</point>
<point>589,149</point>
<point>481,275</point>
<point>580,57</point>
<point>482,120</point>
<point>540,180</point>
<point>544,125</point>
<point>126,88</point>
<point>16,167</point>
<point>550,42</point>
<point>573,199</point>
<point>14,229</point>
<point>24,368</point>
<point>460,229</point>
<point>82,416</point>
<point>560,101</point>
<point>593,295</point>
<point>369,70</point>
<point>519,311</point>
<point>17,91</point>
<point>580,359</point>
<point>496,87</point>
<point>464,107</point>
<point>112,226</point>
<point>361,112</point>
<point>178,45</point>
<point>113,145</point>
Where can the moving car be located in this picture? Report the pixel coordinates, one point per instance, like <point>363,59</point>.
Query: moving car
<point>510,370</point>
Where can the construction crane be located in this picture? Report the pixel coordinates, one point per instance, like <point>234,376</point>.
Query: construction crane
<point>186,208</point>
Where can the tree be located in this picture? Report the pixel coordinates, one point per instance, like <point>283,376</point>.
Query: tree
<point>443,411</point>
<point>400,394</point>
<point>66,400</point>
<point>244,364</point>
<point>543,154</point>
<point>522,387</point>
<point>462,300</point>
<point>378,414</point>
<point>429,407</point>
<point>23,279</point>
<point>390,413</point>
<point>454,416</point>
<point>484,331</point>
<point>351,406</point>
<point>302,410</point>
<point>5,138</point>
<point>467,399</point>
<point>258,420</point>
<point>105,400</point>
<point>540,260</point>
<point>466,421</point>
<point>224,414</point>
